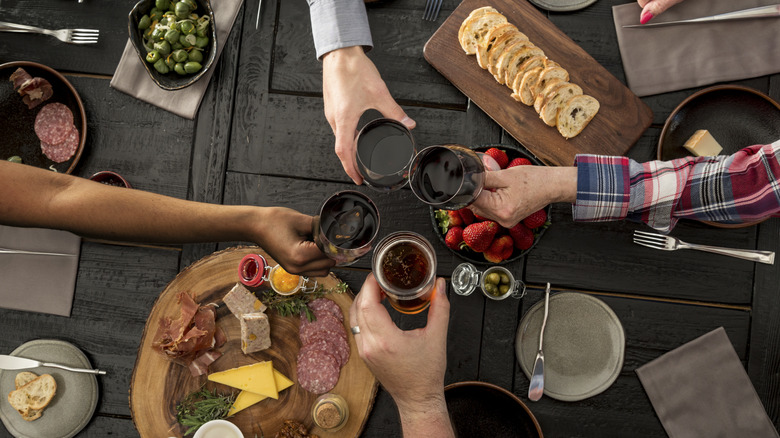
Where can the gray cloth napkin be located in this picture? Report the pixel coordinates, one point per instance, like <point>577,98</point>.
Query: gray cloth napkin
<point>132,78</point>
<point>701,389</point>
<point>669,58</point>
<point>38,283</point>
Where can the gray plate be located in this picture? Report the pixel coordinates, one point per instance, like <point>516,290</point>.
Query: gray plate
<point>72,406</point>
<point>562,5</point>
<point>584,345</point>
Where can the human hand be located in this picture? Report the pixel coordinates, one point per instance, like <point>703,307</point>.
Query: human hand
<point>285,234</point>
<point>653,8</point>
<point>522,190</point>
<point>409,364</point>
<point>351,84</point>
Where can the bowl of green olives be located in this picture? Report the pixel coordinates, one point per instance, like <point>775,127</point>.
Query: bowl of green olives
<point>176,40</point>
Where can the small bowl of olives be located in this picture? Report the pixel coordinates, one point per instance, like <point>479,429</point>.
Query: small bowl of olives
<point>176,40</point>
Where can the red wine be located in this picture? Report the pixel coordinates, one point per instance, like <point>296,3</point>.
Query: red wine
<point>384,148</point>
<point>449,177</point>
<point>349,220</point>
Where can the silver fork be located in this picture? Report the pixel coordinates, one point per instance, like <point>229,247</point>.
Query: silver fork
<point>72,36</point>
<point>432,10</point>
<point>669,243</point>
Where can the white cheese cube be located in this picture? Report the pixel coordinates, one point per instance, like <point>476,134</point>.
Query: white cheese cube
<point>703,144</point>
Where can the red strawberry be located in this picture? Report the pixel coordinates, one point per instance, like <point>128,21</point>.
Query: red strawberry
<point>523,237</point>
<point>519,162</point>
<point>479,235</point>
<point>467,216</point>
<point>499,156</point>
<point>480,218</point>
<point>500,250</point>
<point>455,219</point>
<point>454,238</point>
<point>536,219</point>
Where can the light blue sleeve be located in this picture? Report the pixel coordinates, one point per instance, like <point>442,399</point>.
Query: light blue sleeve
<point>339,23</point>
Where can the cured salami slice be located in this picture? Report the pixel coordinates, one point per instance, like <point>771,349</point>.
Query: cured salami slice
<point>329,305</point>
<point>53,123</point>
<point>59,153</point>
<point>336,345</point>
<point>327,323</point>
<point>318,371</point>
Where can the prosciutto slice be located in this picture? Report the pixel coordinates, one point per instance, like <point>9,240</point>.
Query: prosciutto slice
<point>34,91</point>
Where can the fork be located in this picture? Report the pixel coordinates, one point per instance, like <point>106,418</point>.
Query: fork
<point>432,10</point>
<point>669,243</point>
<point>72,36</point>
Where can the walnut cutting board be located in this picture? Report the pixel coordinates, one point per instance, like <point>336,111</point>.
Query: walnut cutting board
<point>158,385</point>
<point>621,120</point>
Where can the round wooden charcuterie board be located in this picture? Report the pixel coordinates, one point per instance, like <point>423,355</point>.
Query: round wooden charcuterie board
<point>158,384</point>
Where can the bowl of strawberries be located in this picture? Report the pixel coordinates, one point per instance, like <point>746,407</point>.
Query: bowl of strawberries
<point>481,240</point>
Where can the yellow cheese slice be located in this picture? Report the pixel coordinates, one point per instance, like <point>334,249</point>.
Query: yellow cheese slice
<point>703,144</point>
<point>257,378</point>
<point>246,399</point>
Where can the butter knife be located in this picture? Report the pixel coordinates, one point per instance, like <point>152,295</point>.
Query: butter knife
<point>759,12</point>
<point>21,251</point>
<point>21,363</point>
<point>536,388</point>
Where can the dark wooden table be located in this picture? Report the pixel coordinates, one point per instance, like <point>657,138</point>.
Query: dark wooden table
<point>261,138</point>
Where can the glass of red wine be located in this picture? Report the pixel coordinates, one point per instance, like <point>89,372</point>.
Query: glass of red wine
<point>447,177</point>
<point>346,227</point>
<point>385,149</point>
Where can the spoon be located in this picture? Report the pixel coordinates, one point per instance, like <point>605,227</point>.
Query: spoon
<point>536,388</point>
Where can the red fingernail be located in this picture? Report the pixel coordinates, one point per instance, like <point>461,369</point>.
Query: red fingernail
<point>645,17</point>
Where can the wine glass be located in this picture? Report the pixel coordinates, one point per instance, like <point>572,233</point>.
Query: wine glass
<point>448,177</point>
<point>385,149</point>
<point>346,226</point>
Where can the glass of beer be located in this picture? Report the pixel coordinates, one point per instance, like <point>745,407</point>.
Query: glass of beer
<point>404,264</point>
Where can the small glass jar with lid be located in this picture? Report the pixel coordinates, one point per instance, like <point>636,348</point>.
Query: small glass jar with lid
<point>330,412</point>
<point>495,282</point>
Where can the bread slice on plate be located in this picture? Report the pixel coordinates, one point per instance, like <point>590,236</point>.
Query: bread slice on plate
<point>500,46</point>
<point>479,11</point>
<point>575,114</point>
<point>505,59</point>
<point>557,96</point>
<point>490,38</point>
<point>542,96</point>
<point>33,396</point>
<point>476,29</point>
<point>528,93</point>
<point>519,58</point>
<point>24,378</point>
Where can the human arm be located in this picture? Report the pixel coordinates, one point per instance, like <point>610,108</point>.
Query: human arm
<point>410,365</point>
<point>35,197</point>
<point>653,8</point>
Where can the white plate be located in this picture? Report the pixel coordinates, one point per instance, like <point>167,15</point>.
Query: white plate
<point>584,344</point>
<point>562,5</point>
<point>72,406</point>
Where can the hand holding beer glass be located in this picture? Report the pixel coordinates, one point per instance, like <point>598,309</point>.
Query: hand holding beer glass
<point>404,264</point>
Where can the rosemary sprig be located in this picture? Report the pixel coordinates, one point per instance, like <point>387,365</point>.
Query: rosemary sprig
<point>297,304</point>
<point>202,406</point>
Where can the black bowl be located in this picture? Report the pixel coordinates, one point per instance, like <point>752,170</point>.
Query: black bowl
<point>481,409</point>
<point>477,257</point>
<point>172,80</point>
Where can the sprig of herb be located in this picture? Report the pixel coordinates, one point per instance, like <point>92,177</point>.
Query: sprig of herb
<point>297,304</point>
<point>202,406</point>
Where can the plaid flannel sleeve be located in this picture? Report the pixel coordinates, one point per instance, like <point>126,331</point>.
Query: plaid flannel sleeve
<point>739,188</point>
<point>336,24</point>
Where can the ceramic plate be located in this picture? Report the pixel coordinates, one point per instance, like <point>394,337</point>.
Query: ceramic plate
<point>499,412</point>
<point>17,122</point>
<point>584,345</point>
<point>72,406</point>
<point>562,5</point>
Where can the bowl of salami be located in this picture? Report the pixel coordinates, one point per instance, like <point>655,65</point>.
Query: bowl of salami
<point>42,117</point>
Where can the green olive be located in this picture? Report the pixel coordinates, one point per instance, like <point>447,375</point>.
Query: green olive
<point>164,47</point>
<point>191,4</point>
<point>172,36</point>
<point>187,27</point>
<point>493,278</point>
<point>180,55</point>
<point>15,159</point>
<point>195,56</point>
<point>183,10</point>
<point>202,27</point>
<point>504,278</point>
<point>157,34</point>
<point>161,66</point>
<point>192,67</point>
<point>503,289</point>
<point>148,33</point>
<point>144,22</point>
<point>201,42</point>
<point>179,68</point>
<point>154,14</point>
<point>176,46</point>
<point>161,4</point>
<point>153,56</point>
<point>170,62</point>
<point>491,289</point>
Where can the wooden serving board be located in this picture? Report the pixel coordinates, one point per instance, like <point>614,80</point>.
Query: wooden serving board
<point>621,120</point>
<point>158,384</point>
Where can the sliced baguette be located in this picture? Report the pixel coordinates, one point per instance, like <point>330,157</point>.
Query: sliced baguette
<point>529,64</point>
<point>24,378</point>
<point>575,114</point>
<point>476,29</point>
<point>490,38</point>
<point>479,11</point>
<point>505,59</point>
<point>530,78</point>
<point>517,61</point>
<point>542,96</point>
<point>529,92</point>
<point>35,395</point>
<point>552,102</point>
<point>499,47</point>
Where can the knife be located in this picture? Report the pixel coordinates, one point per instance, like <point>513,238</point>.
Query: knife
<point>21,363</point>
<point>759,12</point>
<point>536,388</point>
<point>21,251</point>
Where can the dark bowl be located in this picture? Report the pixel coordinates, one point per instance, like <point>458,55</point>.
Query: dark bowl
<point>172,80</point>
<point>480,409</point>
<point>477,257</point>
<point>110,178</point>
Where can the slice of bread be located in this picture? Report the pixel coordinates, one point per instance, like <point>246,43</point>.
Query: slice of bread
<point>505,59</point>
<point>530,78</point>
<point>558,95</point>
<point>476,29</point>
<point>528,93</point>
<point>514,64</point>
<point>35,395</point>
<point>499,47</point>
<point>490,38</point>
<point>575,114</point>
<point>530,63</point>
<point>24,378</point>
<point>541,97</point>
<point>479,11</point>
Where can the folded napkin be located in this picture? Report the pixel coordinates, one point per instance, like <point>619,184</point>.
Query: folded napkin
<point>669,58</point>
<point>702,390</point>
<point>132,78</point>
<point>38,283</point>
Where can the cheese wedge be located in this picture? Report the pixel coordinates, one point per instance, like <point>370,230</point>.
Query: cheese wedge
<point>246,399</point>
<point>702,144</point>
<point>257,378</point>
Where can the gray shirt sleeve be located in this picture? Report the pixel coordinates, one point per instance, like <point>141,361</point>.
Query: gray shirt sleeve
<point>339,23</point>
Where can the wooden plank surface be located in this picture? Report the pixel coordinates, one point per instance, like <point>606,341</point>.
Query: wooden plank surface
<point>617,126</point>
